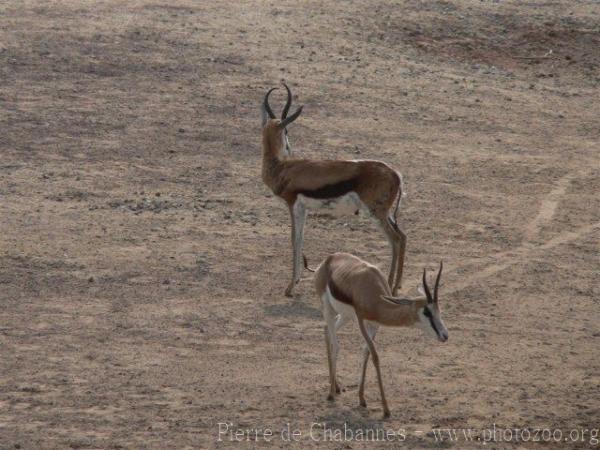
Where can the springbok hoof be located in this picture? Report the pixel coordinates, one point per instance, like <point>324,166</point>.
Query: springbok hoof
<point>330,398</point>
<point>363,403</point>
<point>386,414</point>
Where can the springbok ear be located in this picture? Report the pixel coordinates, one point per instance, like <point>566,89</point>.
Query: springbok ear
<point>398,300</point>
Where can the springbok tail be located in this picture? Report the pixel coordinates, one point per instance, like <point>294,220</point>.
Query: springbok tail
<point>306,264</point>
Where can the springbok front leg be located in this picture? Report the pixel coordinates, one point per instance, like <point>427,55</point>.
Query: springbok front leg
<point>372,331</point>
<point>298,214</point>
<point>373,352</point>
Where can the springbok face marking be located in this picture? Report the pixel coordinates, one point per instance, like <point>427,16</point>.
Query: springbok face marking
<point>288,147</point>
<point>430,317</point>
<point>430,321</point>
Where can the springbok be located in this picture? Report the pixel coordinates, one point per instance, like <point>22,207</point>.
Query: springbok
<point>370,186</point>
<point>351,288</point>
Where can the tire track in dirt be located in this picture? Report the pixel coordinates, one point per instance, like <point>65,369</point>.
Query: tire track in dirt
<point>548,206</point>
<point>527,250</point>
<point>523,253</point>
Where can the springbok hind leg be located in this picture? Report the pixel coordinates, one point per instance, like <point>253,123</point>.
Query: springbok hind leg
<point>394,265</point>
<point>331,342</point>
<point>397,262</point>
<point>401,255</point>
<point>332,381</point>
<point>339,322</point>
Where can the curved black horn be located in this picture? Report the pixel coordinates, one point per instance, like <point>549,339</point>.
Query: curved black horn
<point>437,282</point>
<point>288,102</point>
<point>266,104</point>
<point>284,123</point>
<point>428,294</point>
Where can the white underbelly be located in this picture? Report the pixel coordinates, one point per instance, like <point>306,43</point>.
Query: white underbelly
<point>340,308</point>
<point>339,206</point>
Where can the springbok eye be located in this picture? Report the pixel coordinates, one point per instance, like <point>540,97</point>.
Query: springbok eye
<point>426,312</point>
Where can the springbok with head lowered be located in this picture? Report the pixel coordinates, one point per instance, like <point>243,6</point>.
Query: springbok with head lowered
<point>350,288</point>
<point>370,186</point>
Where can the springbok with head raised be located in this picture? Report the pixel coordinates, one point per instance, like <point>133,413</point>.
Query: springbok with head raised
<point>367,185</point>
<point>350,288</point>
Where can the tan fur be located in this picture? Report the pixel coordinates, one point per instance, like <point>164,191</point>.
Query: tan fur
<point>367,287</point>
<point>377,185</point>
<point>362,287</point>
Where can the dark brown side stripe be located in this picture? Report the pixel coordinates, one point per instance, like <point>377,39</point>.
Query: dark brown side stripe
<point>338,294</point>
<point>331,190</point>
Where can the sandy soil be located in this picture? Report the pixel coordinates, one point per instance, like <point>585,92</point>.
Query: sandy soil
<point>143,262</point>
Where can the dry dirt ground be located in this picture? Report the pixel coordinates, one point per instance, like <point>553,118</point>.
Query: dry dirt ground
<point>143,262</point>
